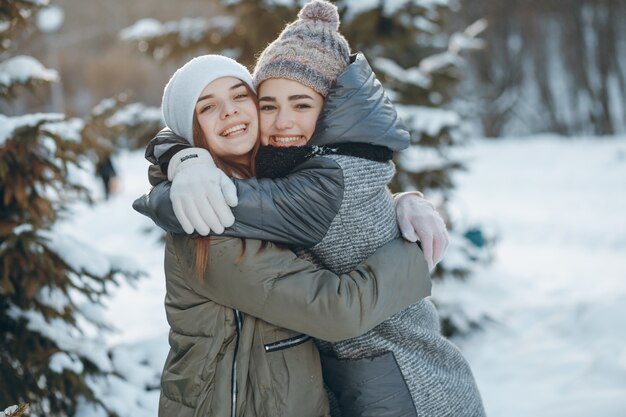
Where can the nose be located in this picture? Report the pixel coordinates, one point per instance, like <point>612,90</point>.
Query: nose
<point>229,109</point>
<point>283,120</point>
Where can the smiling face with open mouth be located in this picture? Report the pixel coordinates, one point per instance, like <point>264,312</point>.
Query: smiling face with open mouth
<point>227,114</point>
<point>288,112</point>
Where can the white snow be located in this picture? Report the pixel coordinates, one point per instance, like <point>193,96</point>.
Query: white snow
<point>552,303</point>
<point>356,7</point>
<point>134,114</point>
<point>461,42</point>
<point>61,361</point>
<point>8,411</point>
<point>8,125</point>
<point>425,25</point>
<point>556,291</point>
<point>439,62</point>
<point>66,336</point>
<point>413,76</point>
<point>420,159</point>
<point>186,29</point>
<point>54,298</point>
<point>114,228</point>
<point>37,2</point>
<point>428,120</point>
<point>24,68</point>
<point>50,19</point>
<point>68,129</point>
<point>80,256</point>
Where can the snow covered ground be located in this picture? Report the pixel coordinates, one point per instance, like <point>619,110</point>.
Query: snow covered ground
<point>556,292</point>
<point>557,288</point>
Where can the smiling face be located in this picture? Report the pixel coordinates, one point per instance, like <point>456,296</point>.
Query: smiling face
<point>288,112</point>
<point>227,114</point>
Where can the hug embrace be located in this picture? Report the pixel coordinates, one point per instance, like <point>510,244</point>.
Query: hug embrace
<point>289,291</point>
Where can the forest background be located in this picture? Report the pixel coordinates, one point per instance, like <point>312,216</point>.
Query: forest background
<point>547,66</point>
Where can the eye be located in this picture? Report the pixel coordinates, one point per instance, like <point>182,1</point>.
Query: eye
<point>206,108</point>
<point>241,96</point>
<point>303,106</point>
<point>267,107</point>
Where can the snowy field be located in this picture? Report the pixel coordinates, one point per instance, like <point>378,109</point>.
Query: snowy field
<point>555,343</point>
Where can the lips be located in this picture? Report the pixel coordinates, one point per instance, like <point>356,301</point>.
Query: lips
<point>285,141</point>
<point>232,130</point>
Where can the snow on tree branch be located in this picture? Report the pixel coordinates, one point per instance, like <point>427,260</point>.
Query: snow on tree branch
<point>413,76</point>
<point>440,62</point>
<point>135,114</point>
<point>14,411</point>
<point>66,336</point>
<point>428,120</point>
<point>79,256</point>
<point>468,39</point>
<point>187,30</point>
<point>68,129</point>
<point>10,125</point>
<point>23,69</point>
<point>423,159</point>
<point>390,7</point>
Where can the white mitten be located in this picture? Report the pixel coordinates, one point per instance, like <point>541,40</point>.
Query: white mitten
<point>201,193</point>
<point>418,220</point>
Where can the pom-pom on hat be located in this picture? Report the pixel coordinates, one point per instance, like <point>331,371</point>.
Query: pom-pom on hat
<point>182,91</point>
<point>309,50</point>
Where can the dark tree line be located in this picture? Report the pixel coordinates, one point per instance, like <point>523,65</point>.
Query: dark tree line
<point>551,65</point>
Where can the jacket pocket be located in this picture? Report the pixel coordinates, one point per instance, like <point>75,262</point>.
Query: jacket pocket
<point>368,387</point>
<point>286,343</point>
<point>188,371</point>
<point>289,374</point>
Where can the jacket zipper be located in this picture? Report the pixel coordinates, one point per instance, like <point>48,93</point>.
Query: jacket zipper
<point>233,384</point>
<point>286,343</point>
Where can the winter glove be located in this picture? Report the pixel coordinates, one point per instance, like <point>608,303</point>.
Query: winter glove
<point>418,220</point>
<point>201,193</point>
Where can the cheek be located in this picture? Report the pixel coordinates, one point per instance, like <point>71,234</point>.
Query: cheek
<point>205,126</point>
<point>309,124</point>
<point>265,124</point>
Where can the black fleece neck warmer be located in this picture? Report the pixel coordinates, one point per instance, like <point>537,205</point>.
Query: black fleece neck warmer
<point>276,162</point>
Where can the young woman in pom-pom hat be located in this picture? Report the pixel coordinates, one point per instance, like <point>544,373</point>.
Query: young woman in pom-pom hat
<point>404,366</point>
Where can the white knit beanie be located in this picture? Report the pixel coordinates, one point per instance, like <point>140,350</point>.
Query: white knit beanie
<point>183,90</point>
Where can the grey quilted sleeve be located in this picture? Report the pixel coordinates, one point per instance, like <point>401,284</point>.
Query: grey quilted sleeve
<point>163,146</point>
<point>295,210</point>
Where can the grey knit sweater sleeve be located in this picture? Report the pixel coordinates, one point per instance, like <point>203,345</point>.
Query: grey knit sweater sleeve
<point>437,376</point>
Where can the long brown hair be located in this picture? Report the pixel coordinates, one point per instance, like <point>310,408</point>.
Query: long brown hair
<point>230,168</point>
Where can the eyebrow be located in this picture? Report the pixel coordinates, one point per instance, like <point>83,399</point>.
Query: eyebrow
<point>290,98</point>
<point>234,87</point>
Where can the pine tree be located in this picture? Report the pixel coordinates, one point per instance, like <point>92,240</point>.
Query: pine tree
<point>417,61</point>
<point>52,350</point>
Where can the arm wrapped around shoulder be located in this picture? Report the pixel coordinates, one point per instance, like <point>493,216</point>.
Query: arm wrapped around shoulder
<point>280,288</point>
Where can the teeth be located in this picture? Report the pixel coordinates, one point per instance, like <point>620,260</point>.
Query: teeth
<point>287,139</point>
<point>233,129</point>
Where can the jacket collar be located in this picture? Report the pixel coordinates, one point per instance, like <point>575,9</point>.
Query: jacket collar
<point>357,110</point>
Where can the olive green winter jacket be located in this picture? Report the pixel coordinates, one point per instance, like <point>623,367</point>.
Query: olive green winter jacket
<point>230,351</point>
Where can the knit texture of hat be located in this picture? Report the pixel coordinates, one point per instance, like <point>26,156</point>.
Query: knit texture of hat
<point>182,91</point>
<point>309,50</point>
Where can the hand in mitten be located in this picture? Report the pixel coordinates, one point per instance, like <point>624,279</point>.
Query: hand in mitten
<point>201,194</point>
<point>418,220</point>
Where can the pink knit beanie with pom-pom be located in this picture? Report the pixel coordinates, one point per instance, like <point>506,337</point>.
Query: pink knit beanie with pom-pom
<point>309,50</point>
